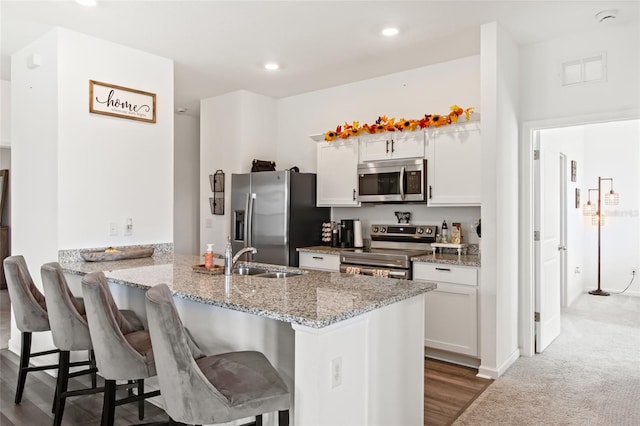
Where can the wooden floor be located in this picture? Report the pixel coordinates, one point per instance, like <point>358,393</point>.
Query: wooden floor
<point>449,390</point>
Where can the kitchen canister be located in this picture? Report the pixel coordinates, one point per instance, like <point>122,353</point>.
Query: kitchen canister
<point>357,234</point>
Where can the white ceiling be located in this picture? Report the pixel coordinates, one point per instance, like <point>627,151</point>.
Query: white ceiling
<point>221,46</point>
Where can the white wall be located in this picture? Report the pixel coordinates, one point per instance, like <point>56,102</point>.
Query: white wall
<point>408,94</point>
<point>612,151</point>
<point>235,129</point>
<point>74,172</point>
<point>542,94</point>
<point>5,113</point>
<point>499,273</point>
<point>111,168</point>
<point>186,178</point>
<point>570,141</point>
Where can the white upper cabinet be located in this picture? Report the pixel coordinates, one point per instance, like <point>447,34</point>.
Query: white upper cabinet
<point>392,145</point>
<point>337,173</point>
<point>454,165</point>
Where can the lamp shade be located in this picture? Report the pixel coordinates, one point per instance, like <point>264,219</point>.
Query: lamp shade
<point>588,209</point>
<point>612,198</point>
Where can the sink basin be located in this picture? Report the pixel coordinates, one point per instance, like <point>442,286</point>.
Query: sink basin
<point>279,274</point>
<point>249,270</point>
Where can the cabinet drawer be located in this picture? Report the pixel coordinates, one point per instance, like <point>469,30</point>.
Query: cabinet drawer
<point>322,261</point>
<point>445,273</point>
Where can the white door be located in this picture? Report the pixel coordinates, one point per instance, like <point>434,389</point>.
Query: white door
<point>547,294</point>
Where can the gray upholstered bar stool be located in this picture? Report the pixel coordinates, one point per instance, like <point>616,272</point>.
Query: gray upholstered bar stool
<point>122,352</point>
<point>209,389</point>
<point>70,332</point>
<point>30,311</point>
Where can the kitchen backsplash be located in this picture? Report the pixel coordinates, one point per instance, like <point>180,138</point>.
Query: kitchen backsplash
<point>420,215</point>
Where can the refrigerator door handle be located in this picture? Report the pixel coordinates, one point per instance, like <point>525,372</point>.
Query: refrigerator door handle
<point>248,241</point>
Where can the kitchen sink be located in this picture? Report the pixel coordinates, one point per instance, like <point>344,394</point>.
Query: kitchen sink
<point>279,274</point>
<point>249,270</point>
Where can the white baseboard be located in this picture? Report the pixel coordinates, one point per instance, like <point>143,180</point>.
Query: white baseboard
<point>494,373</point>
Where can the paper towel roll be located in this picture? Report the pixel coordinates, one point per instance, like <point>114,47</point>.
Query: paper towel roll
<point>357,234</point>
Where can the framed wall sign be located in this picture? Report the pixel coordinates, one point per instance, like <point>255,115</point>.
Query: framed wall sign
<point>574,170</point>
<point>118,101</point>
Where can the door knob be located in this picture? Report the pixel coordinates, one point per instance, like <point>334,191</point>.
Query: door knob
<point>564,248</point>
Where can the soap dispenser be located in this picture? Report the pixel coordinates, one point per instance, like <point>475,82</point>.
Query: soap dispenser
<point>208,257</point>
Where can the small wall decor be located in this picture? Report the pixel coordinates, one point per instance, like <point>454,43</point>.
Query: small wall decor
<point>574,171</point>
<point>216,203</point>
<point>118,101</point>
<point>577,198</point>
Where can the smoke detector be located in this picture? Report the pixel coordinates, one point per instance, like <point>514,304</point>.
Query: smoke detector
<point>181,110</point>
<point>607,16</point>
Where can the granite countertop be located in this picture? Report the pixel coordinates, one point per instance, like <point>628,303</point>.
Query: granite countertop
<point>321,249</point>
<point>450,259</point>
<point>315,299</point>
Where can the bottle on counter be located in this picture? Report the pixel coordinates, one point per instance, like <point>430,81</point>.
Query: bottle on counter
<point>445,232</point>
<point>208,257</point>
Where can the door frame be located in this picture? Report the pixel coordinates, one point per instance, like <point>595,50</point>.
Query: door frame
<point>563,229</point>
<point>527,205</point>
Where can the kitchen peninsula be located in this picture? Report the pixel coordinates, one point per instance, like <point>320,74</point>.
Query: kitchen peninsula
<point>349,347</point>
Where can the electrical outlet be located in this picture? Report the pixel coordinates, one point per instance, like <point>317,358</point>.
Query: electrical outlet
<point>336,372</point>
<point>577,270</point>
<point>128,227</point>
<point>208,223</point>
<point>113,229</point>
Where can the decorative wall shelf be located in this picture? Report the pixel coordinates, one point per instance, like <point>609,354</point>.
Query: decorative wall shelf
<point>216,202</point>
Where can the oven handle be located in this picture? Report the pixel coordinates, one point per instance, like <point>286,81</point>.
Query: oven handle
<point>402,170</point>
<point>403,275</point>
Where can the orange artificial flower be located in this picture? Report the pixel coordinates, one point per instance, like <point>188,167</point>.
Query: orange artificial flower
<point>467,112</point>
<point>330,135</point>
<point>437,120</point>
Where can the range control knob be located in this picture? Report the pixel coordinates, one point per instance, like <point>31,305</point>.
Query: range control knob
<point>383,230</point>
<point>375,229</point>
<point>420,231</point>
<point>429,230</point>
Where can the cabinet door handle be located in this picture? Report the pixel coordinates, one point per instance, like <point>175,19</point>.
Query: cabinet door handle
<point>392,142</point>
<point>443,269</point>
<point>430,191</point>
<point>387,146</point>
<point>318,257</point>
<point>354,195</point>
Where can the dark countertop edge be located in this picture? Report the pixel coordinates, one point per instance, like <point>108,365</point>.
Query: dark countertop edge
<point>274,315</point>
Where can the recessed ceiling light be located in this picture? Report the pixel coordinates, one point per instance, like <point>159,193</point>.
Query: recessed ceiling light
<point>87,2</point>
<point>390,32</point>
<point>271,66</point>
<point>607,15</point>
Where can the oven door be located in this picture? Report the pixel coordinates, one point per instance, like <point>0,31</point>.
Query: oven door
<point>400,274</point>
<point>392,181</point>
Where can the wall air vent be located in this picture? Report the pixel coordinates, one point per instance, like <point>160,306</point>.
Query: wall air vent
<point>590,69</point>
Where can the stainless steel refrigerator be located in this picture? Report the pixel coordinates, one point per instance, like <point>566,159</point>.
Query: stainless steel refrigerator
<point>275,212</point>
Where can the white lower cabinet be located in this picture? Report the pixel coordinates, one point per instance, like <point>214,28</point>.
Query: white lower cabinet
<point>319,261</point>
<point>451,311</point>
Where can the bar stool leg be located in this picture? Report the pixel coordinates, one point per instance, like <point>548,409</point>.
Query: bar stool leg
<point>25,352</point>
<point>109,404</point>
<point>92,365</point>
<point>63,379</point>
<point>283,418</point>
<point>141,402</point>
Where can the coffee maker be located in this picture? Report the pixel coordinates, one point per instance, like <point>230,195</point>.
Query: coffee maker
<point>346,233</point>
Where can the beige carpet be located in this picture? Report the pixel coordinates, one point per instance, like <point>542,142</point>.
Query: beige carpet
<point>590,375</point>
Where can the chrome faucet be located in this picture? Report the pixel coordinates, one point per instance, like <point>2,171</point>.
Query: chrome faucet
<point>230,260</point>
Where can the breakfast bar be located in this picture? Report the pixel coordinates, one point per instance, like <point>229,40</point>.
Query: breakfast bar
<point>350,348</point>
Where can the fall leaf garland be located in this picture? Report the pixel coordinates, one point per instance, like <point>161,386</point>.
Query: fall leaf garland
<point>384,124</point>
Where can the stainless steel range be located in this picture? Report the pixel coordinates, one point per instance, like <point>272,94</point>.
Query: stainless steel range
<point>392,247</point>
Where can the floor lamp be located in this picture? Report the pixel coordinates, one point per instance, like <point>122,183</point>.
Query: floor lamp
<point>611,198</point>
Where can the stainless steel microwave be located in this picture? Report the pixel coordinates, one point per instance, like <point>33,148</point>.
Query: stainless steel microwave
<point>398,181</point>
